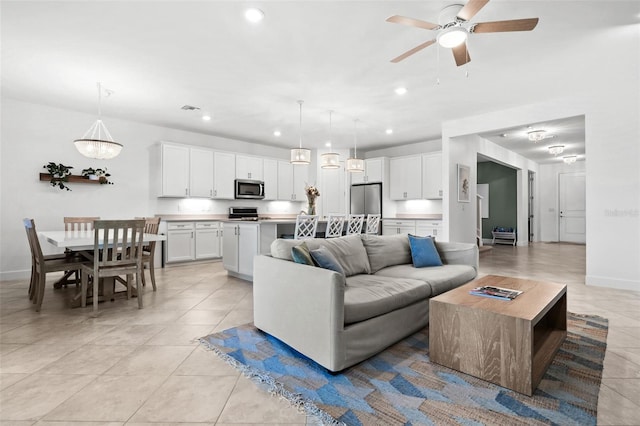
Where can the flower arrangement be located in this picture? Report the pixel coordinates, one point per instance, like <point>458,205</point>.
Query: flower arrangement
<point>312,193</point>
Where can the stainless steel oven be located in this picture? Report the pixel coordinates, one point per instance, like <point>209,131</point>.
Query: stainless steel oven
<point>249,189</point>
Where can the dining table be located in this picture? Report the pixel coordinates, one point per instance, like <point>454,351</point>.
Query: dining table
<point>82,241</point>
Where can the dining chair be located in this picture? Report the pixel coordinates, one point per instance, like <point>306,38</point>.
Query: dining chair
<point>151,226</point>
<point>41,264</point>
<point>117,250</point>
<point>354,226</point>
<point>335,225</point>
<point>373,224</point>
<point>306,226</point>
<point>78,223</point>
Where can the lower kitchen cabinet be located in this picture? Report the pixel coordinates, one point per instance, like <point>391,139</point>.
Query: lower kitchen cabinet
<point>241,243</point>
<point>208,240</point>
<point>187,241</point>
<point>426,228</point>
<point>392,227</point>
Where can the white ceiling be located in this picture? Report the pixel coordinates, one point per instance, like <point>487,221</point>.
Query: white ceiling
<point>160,55</point>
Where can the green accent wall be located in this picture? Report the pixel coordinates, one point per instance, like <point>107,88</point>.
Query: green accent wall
<point>503,192</point>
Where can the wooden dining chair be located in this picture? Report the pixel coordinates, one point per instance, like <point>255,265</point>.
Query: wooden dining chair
<point>373,224</point>
<point>78,223</point>
<point>151,226</point>
<point>41,264</point>
<point>335,225</point>
<point>354,226</point>
<point>117,250</point>
<point>306,226</point>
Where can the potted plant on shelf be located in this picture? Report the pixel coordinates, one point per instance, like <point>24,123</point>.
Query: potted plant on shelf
<point>97,174</point>
<point>59,174</point>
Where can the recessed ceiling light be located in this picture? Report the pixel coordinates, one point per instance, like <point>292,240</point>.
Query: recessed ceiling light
<point>206,117</point>
<point>504,135</point>
<point>276,133</point>
<point>327,144</point>
<point>401,90</point>
<point>254,15</point>
<point>389,131</point>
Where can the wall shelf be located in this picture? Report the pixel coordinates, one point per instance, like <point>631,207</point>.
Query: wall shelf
<point>46,177</point>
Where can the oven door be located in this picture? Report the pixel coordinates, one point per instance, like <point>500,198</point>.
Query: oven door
<point>249,189</point>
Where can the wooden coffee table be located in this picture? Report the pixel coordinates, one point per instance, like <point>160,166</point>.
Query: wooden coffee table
<point>507,342</point>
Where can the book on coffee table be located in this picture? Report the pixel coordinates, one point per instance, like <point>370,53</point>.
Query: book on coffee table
<point>495,292</point>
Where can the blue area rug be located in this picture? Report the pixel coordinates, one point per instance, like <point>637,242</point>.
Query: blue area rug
<point>401,387</point>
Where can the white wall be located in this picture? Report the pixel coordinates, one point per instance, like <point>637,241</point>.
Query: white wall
<point>409,149</point>
<point>32,135</point>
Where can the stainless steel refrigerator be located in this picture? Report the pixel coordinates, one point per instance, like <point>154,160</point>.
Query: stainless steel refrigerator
<point>366,198</point>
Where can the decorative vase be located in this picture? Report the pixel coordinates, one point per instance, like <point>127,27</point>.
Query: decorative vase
<point>311,209</point>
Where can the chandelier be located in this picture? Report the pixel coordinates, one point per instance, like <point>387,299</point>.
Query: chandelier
<point>570,159</point>
<point>330,160</point>
<point>556,149</point>
<point>355,164</point>
<point>537,135</point>
<point>300,155</point>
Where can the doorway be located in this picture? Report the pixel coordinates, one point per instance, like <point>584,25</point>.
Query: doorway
<point>571,194</point>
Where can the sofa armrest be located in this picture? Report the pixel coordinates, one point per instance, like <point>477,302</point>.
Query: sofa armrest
<point>301,305</point>
<point>453,253</point>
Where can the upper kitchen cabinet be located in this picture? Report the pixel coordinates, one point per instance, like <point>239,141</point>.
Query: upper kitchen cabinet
<point>224,172</point>
<point>373,172</point>
<point>291,181</point>
<point>174,160</point>
<point>270,179</point>
<point>201,173</point>
<point>248,167</point>
<point>405,178</point>
<point>432,176</point>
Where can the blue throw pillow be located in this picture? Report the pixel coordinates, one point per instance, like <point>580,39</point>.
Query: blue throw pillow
<point>424,252</point>
<point>324,259</point>
<point>302,255</point>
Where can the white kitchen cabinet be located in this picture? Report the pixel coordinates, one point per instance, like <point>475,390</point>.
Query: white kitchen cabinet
<point>201,173</point>
<point>270,179</point>
<point>393,227</point>
<point>208,240</point>
<point>432,176</point>
<point>373,172</point>
<point>405,178</point>
<point>241,243</point>
<point>248,167</point>
<point>224,172</point>
<point>180,242</point>
<point>428,228</point>
<point>292,180</point>
<point>174,170</point>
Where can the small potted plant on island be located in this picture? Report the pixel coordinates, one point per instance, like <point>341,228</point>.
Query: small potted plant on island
<point>59,174</point>
<point>97,174</point>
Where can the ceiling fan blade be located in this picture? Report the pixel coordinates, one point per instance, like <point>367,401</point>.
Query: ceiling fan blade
<point>471,8</point>
<point>397,19</point>
<point>461,54</point>
<point>412,51</point>
<point>504,26</point>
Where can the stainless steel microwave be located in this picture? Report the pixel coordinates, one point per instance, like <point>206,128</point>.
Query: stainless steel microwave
<point>252,189</point>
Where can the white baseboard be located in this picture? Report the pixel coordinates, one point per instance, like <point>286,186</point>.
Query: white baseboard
<point>15,275</point>
<point>612,283</point>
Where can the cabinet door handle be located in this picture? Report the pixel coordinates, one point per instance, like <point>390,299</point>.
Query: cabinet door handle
<point>440,192</point>
<point>215,192</point>
<point>186,191</point>
<point>191,234</point>
<point>211,193</point>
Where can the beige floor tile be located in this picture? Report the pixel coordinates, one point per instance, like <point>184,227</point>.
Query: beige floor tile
<point>27,333</point>
<point>54,423</point>
<point>74,334</point>
<point>203,317</point>
<point>151,361</point>
<point>235,318</point>
<point>107,399</point>
<point>615,410</point>
<point>31,358</point>
<point>154,316</point>
<point>249,404</point>
<point>631,354</point>
<point>6,348</point>
<point>202,362</point>
<point>168,424</point>
<point>8,379</point>
<point>180,334</point>
<point>130,335</point>
<point>18,422</point>
<point>177,303</point>
<point>628,388</point>
<point>35,396</point>
<point>89,359</point>
<point>187,399</point>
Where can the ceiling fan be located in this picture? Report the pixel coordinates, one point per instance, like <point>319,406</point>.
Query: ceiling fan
<point>453,27</point>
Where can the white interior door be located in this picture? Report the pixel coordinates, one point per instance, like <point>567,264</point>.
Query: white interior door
<point>572,207</point>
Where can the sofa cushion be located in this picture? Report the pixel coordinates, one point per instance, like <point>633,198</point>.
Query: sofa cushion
<point>301,254</point>
<point>386,250</point>
<point>424,252</point>
<point>440,278</point>
<point>324,259</point>
<point>369,296</point>
<point>348,250</point>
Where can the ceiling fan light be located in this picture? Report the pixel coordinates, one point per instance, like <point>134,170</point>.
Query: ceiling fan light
<point>537,135</point>
<point>452,36</point>
<point>556,149</point>
<point>355,165</point>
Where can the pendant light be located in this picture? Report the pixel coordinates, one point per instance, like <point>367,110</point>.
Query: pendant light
<point>330,160</point>
<point>355,164</point>
<point>97,141</point>
<point>300,155</point>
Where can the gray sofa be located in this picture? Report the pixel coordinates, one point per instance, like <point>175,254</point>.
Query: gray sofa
<point>338,321</point>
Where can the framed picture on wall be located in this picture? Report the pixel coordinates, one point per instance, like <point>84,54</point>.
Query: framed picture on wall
<point>463,183</point>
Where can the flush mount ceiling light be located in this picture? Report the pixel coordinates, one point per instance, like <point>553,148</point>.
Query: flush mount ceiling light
<point>400,90</point>
<point>556,149</point>
<point>355,164</point>
<point>452,36</point>
<point>389,131</point>
<point>300,155</point>
<point>570,159</point>
<point>254,15</point>
<point>330,160</point>
<point>206,117</point>
<point>277,133</point>
<point>97,141</point>
<point>537,135</point>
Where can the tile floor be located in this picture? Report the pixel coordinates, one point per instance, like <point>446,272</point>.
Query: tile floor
<point>145,367</point>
